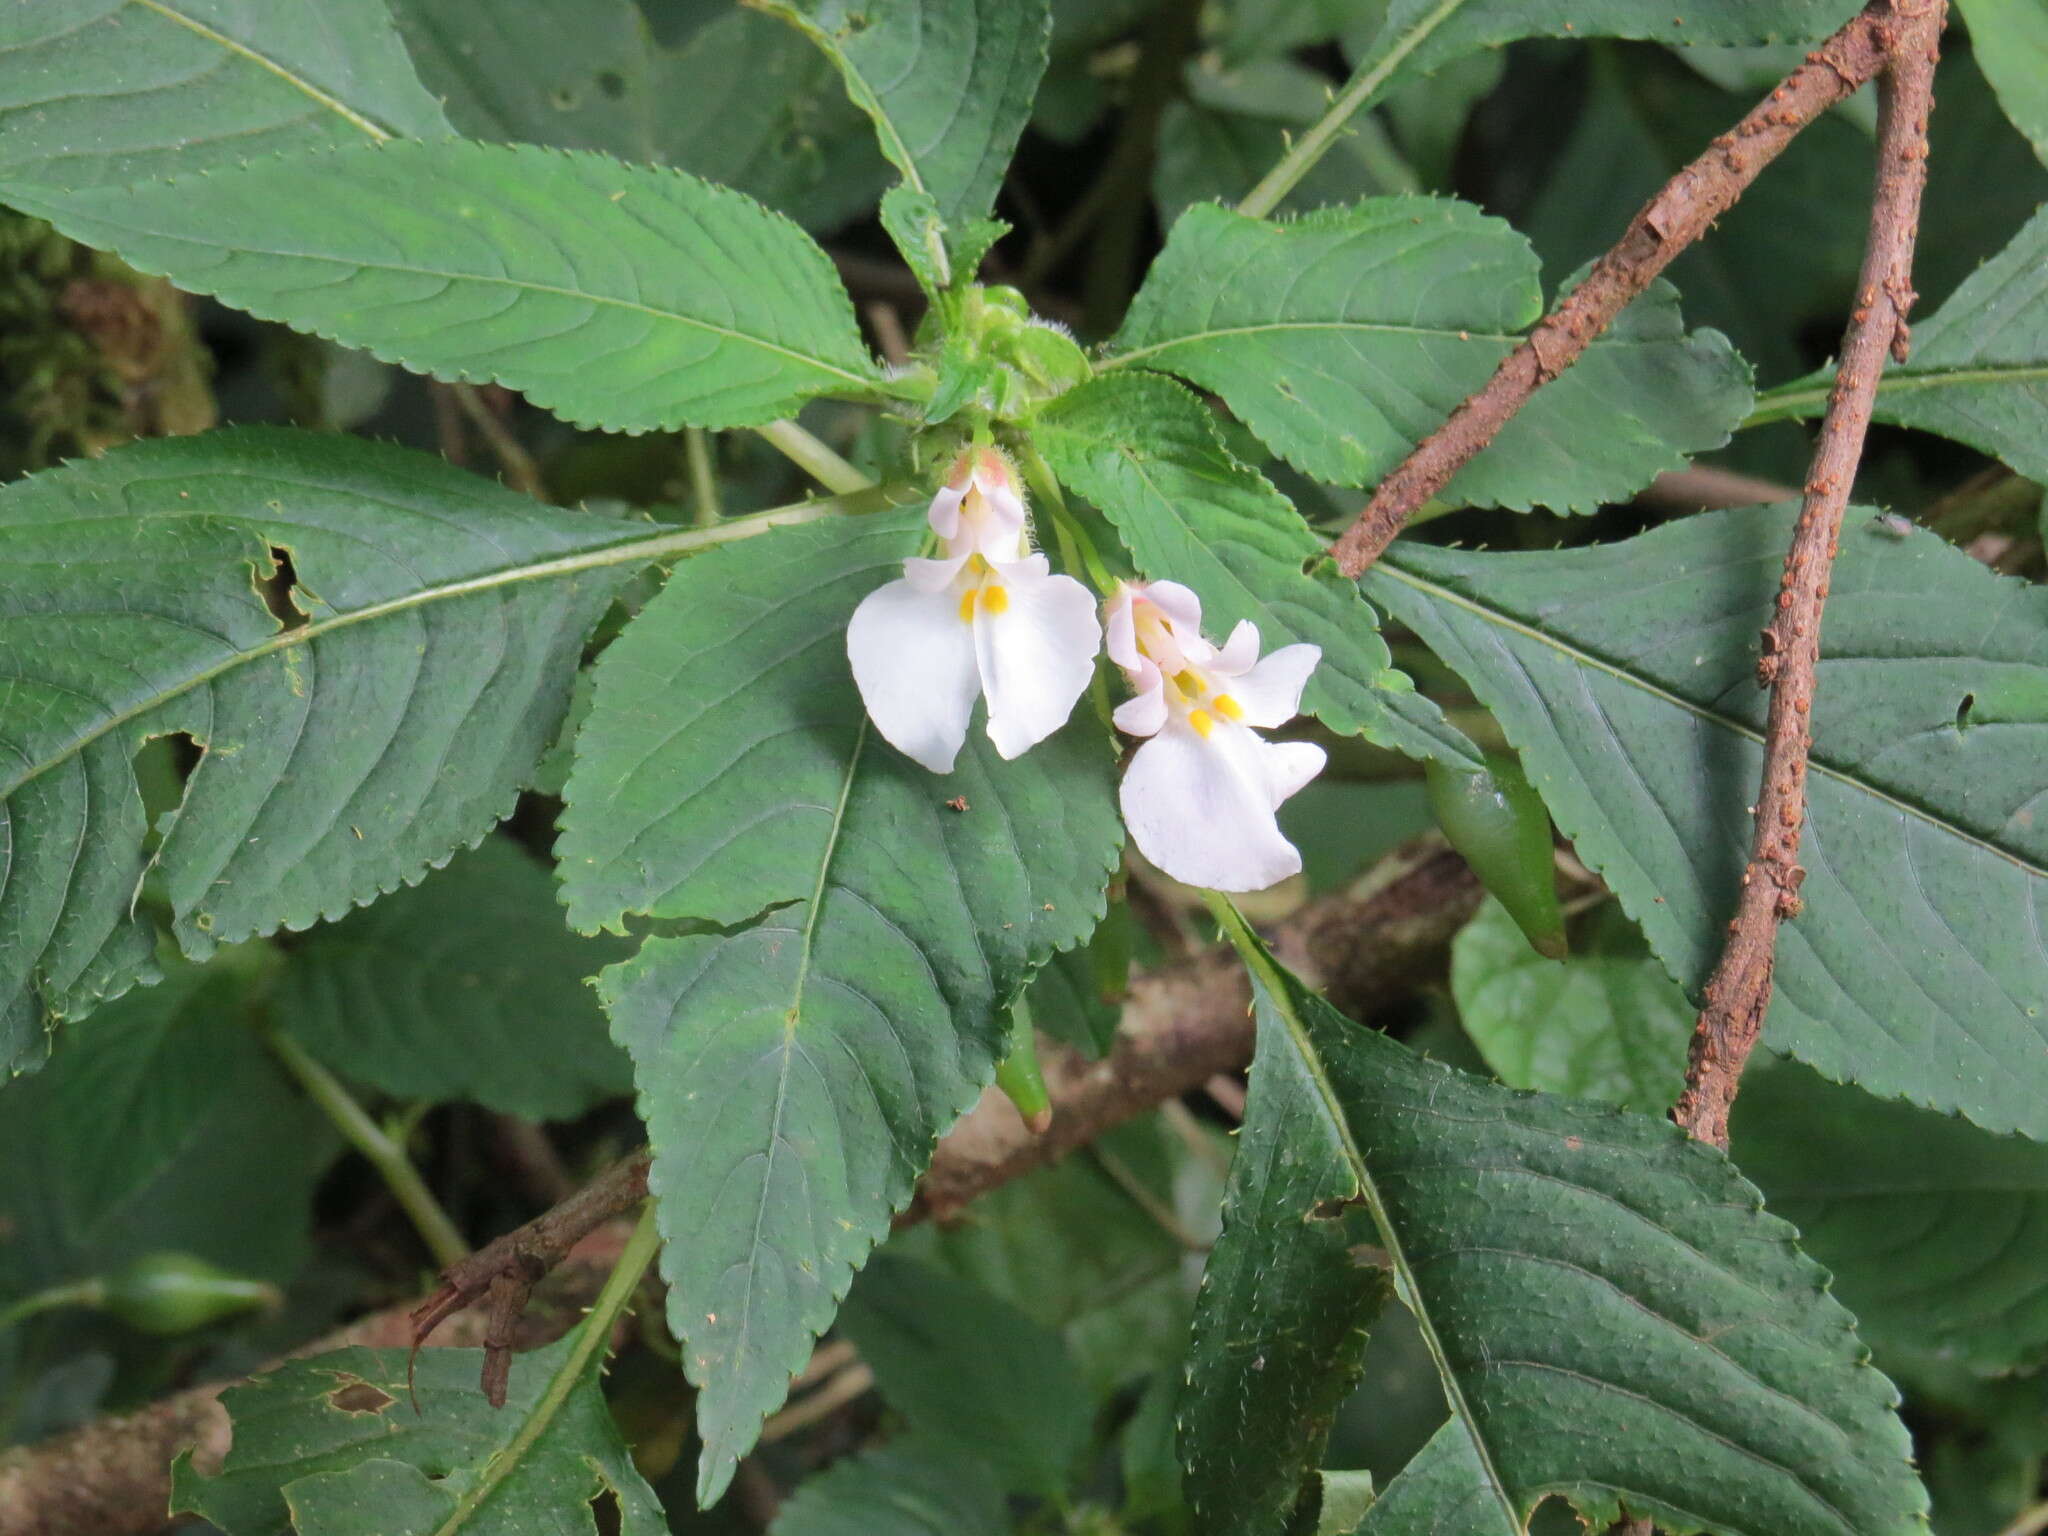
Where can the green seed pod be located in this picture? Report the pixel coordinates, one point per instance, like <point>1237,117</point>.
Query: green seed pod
<point>169,1293</point>
<point>1019,1076</point>
<point>1497,821</point>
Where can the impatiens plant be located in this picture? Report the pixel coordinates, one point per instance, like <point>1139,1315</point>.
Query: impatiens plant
<point>964,766</point>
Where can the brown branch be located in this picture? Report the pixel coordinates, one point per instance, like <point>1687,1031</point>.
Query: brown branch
<point>1739,991</point>
<point>1181,1025</point>
<point>1672,220</point>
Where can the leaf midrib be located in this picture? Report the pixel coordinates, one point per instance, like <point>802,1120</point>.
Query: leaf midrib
<point>1372,327</point>
<point>1792,400</point>
<point>1817,765</point>
<point>265,62</point>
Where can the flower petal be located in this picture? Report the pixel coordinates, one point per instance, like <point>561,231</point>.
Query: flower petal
<point>1036,655</point>
<point>932,575</point>
<point>944,514</point>
<point>1145,711</point>
<point>1182,608</point>
<point>1240,652</point>
<point>914,663</point>
<point>1270,693</point>
<point>1201,808</point>
<point>1120,629</point>
<point>1288,765</point>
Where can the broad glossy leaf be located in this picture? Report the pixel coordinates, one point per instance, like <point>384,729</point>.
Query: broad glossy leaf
<point>467,987</point>
<point>1937,1232</point>
<point>1607,1023</point>
<point>1146,451</point>
<point>969,1370</point>
<point>795,1073</point>
<point>437,621</point>
<point>1623,674</point>
<point>100,92</point>
<point>2010,41</point>
<point>948,84</point>
<point>1344,337</point>
<point>333,1446</point>
<point>1613,1315</point>
<point>1979,368</point>
<point>1280,1323</point>
<point>1441,1492</point>
<point>624,297</point>
<point>910,1487</point>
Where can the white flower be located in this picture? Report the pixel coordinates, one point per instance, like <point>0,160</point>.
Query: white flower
<point>986,618</point>
<point>1199,796</point>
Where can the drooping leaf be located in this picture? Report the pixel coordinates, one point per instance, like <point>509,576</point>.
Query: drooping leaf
<point>332,1445</point>
<point>1613,1315</point>
<point>101,92</point>
<point>968,1370</point>
<point>1497,822</point>
<point>1623,674</point>
<point>910,1487</point>
<point>624,297</point>
<point>436,621</point>
<point>467,987</point>
<point>794,1074</point>
<point>948,83</point>
<point>1441,1492</point>
<point>2010,41</point>
<point>1146,451</point>
<point>1608,1023</point>
<point>1937,1232</point>
<point>1344,337</point>
<point>1979,367</point>
<point>1280,1323</point>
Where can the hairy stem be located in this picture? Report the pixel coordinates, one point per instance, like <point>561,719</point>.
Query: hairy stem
<point>704,505</point>
<point>1739,991</point>
<point>814,458</point>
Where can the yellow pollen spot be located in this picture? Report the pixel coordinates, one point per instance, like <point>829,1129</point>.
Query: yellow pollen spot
<point>967,606</point>
<point>1202,721</point>
<point>995,600</point>
<point>1228,707</point>
<point>1190,682</point>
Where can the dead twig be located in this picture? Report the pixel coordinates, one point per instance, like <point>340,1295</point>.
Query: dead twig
<point>1672,220</point>
<point>1739,991</point>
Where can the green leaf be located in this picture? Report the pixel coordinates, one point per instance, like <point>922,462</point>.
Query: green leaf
<point>623,297</point>
<point>1933,1228</point>
<point>1344,337</point>
<point>1497,821</point>
<point>215,1156</point>
<point>1441,1492</point>
<point>1146,451</point>
<point>2009,39</point>
<point>948,84</point>
<point>1613,1315</point>
<point>100,92</point>
<point>467,987</point>
<point>1979,369</point>
<point>1280,1323</point>
<point>1606,1024</point>
<point>794,1074</point>
<point>435,624</point>
<point>909,1487</point>
<point>970,1371</point>
<point>333,1446</point>
<point>1623,674</point>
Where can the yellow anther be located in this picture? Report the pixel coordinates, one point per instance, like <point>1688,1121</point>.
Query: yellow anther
<point>1190,683</point>
<point>1228,707</point>
<point>995,600</point>
<point>967,606</point>
<point>1202,721</point>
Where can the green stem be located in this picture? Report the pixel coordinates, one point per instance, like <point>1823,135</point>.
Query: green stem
<point>1316,140</point>
<point>368,1137</point>
<point>77,1293</point>
<point>703,477</point>
<point>1077,550</point>
<point>592,1335</point>
<point>814,458</point>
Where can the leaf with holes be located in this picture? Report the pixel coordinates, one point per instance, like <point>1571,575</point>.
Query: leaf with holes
<point>1345,337</point>
<point>431,631</point>
<point>101,92</point>
<point>948,83</point>
<point>333,1445</point>
<point>467,987</point>
<point>1937,1232</point>
<point>1146,451</point>
<point>1979,369</point>
<point>795,1071</point>
<point>1624,675</point>
<point>1613,1316</point>
<point>618,296</point>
